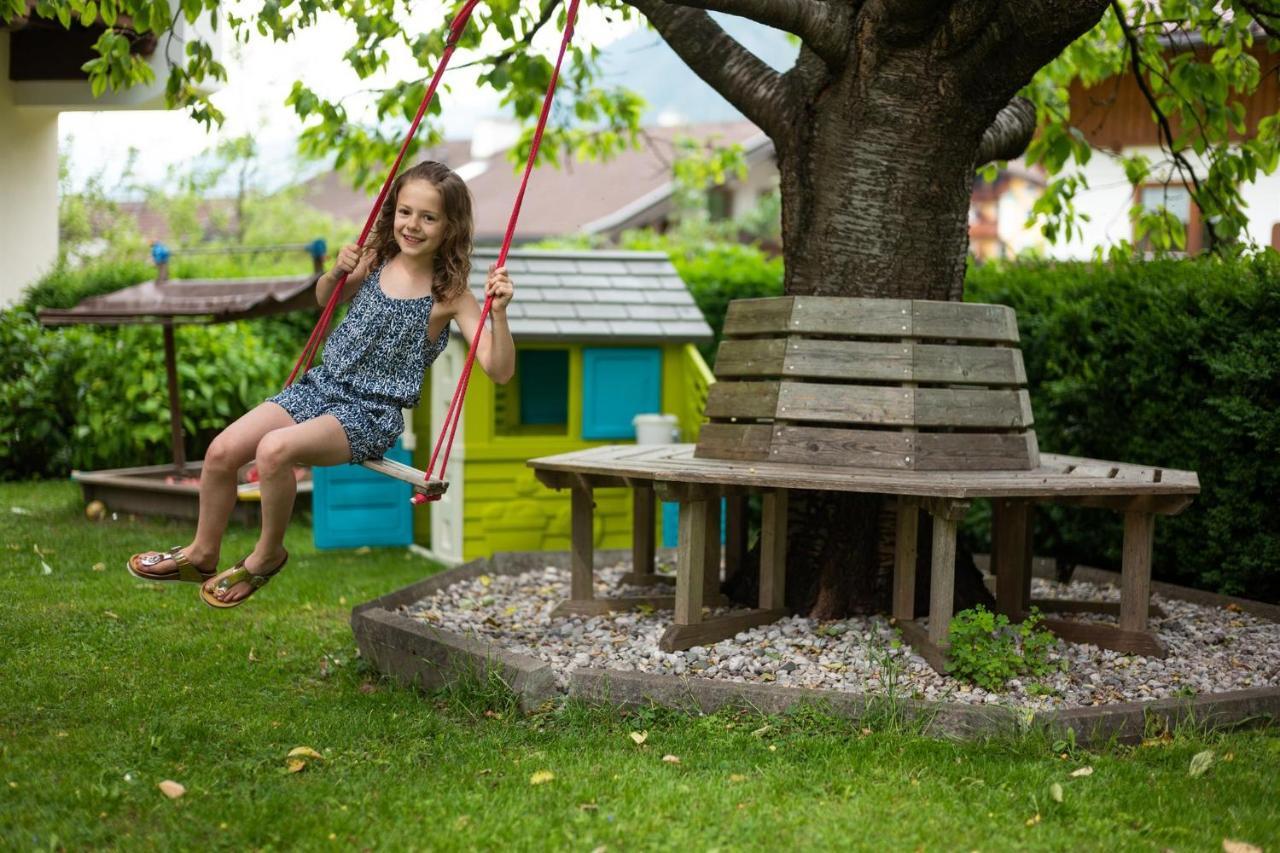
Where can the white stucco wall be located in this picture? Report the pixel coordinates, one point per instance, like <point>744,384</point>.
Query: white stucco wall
<point>28,187</point>
<point>1109,196</point>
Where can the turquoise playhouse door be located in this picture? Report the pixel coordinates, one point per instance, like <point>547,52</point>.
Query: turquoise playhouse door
<point>352,506</point>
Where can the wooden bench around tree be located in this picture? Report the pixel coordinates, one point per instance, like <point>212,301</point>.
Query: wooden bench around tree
<point>921,401</point>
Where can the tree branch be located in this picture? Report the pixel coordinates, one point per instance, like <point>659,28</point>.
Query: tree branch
<point>824,26</point>
<point>1166,131</point>
<point>1269,21</point>
<point>735,72</point>
<point>1010,133</point>
<point>521,44</point>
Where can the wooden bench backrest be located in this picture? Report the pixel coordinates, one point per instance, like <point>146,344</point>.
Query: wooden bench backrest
<point>882,383</point>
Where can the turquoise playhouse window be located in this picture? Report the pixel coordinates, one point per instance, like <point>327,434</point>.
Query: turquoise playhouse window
<point>544,387</point>
<point>617,385</point>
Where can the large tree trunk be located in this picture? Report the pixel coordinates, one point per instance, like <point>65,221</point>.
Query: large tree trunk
<point>876,183</point>
<point>877,130</point>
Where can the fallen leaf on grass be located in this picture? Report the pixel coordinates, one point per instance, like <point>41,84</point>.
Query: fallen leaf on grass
<point>760,732</point>
<point>1200,762</point>
<point>110,614</point>
<point>297,758</point>
<point>1231,846</point>
<point>1034,819</point>
<point>1083,771</point>
<point>671,759</point>
<point>737,777</point>
<point>588,807</point>
<point>367,687</point>
<point>99,567</point>
<point>18,510</point>
<point>541,777</point>
<point>639,737</point>
<point>171,789</point>
<point>252,657</point>
<point>1055,791</point>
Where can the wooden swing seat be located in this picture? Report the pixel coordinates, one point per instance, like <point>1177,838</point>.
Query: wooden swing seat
<point>418,479</point>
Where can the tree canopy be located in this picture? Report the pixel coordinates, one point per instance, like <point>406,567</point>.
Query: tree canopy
<point>1195,61</point>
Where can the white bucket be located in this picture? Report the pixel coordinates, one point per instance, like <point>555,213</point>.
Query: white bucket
<point>656,429</point>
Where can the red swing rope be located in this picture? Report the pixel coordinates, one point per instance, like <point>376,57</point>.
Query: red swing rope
<point>454,414</point>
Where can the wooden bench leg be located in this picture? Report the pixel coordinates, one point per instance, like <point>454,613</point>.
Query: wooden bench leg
<point>700,521</point>
<point>1010,552</point>
<point>581,599</point>
<point>932,645</point>
<point>904,560</point>
<point>711,558</point>
<point>942,579</point>
<point>1135,570</point>
<point>1131,635</point>
<point>735,533</point>
<point>643,545</point>
<point>691,557</point>
<point>773,551</point>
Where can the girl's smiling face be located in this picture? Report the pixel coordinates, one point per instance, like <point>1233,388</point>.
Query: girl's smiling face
<point>420,223</point>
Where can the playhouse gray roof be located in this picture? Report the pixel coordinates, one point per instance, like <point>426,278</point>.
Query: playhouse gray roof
<point>566,295</point>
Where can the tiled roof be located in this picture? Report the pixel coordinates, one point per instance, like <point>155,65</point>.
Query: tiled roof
<point>564,295</point>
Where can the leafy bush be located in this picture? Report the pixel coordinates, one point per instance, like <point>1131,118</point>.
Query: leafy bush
<point>88,397</point>
<point>65,286</point>
<point>35,422</point>
<point>1173,363</point>
<point>986,650</point>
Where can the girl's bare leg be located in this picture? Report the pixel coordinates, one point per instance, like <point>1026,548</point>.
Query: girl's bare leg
<point>232,448</point>
<point>320,441</point>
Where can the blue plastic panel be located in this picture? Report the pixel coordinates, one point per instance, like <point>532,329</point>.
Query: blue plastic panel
<point>352,506</point>
<point>617,385</point>
<point>671,522</point>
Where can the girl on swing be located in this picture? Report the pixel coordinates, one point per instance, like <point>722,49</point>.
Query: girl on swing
<point>404,287</point>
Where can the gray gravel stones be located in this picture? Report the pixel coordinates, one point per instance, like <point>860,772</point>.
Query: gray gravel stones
<point>1211,649</point>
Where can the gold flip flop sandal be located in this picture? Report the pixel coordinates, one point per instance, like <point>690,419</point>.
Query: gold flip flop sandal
<point>186,570</point>
<point>238,574</point>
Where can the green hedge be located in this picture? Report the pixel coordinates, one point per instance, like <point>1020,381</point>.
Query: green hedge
<point>1171,363</point>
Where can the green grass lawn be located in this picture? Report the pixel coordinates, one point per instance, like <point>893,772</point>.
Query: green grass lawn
<point>109,685</point>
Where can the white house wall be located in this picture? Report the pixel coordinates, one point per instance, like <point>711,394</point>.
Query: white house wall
<point>29,186</point>
<point>1110,195</point>
<point>446,514</point>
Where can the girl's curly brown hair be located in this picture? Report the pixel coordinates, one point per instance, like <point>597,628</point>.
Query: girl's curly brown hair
<point>453,258</point>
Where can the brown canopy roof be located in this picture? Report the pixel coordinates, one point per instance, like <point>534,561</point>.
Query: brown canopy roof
<point>197,301</point>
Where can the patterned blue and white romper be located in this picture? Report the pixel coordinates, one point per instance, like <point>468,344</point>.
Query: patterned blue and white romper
<point>374,362</point>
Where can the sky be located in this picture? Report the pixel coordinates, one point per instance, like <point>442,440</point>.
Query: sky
<point>260,75</point>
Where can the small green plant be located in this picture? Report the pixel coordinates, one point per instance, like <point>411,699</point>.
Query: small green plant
<point>987,650</point>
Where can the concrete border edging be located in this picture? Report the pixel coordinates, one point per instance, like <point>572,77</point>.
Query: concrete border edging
<point>419,654</point>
